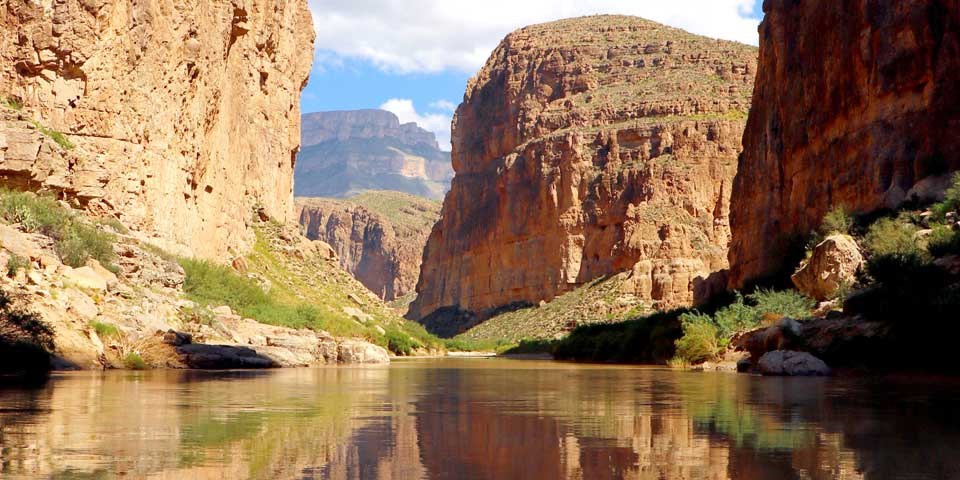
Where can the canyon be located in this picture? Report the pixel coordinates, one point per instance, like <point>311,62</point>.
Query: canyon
<point>180,118</point>
<point>856,107</point>
<point>585,148</point>
<point>347,152</point>
<point>378,236</point>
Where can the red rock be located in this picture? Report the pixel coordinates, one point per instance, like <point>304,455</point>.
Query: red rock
<point>855,103</point>
<point>583,148</point>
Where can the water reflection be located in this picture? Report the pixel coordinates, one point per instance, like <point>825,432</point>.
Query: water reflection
<point>477,419</point>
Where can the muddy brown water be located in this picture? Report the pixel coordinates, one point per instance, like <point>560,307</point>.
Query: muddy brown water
<point>474,418</point>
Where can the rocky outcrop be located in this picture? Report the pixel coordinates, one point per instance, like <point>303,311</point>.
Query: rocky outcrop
<point>855,103</point>
<point>377,236</point>
<point>587,147</point>
<point>833,264</point>
<point>792,364</point>
<point>182,115</point>
<point>350,151</point>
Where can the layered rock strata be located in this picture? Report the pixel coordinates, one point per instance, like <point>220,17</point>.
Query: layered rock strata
<point>381,247</point>
<point>587,147</point>
<point>182,115</point>
<point>856,105</point>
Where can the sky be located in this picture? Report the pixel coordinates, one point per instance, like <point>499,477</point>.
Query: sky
<point>414,57</point>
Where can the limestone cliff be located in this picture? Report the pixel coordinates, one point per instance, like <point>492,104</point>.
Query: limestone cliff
<point>348,152</point>
<point>184,115</point>
<point>378,236</point>
<point>855,103</point>
<point>587,147</point>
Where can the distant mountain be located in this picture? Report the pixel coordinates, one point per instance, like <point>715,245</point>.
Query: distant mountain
<point>347,152</point>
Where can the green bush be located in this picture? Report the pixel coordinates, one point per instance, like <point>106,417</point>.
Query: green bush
<point>81,242</point>
<point>105,330</point>
<point>209,283</point>
<point>951,201</point>
<point>13,103</point>
<point>400,343</point>
<point>837,220</point>
<point>58,137</point>
<point>784,303</point>
<point>644,340</point>
<point>16,262</point>
<point>943,241</point>
<point>114,224</point>
<point>134,361</point>
<point>74,240</point>
<point>736,317</point>
<point>889,236</point>
<point>699,341</point>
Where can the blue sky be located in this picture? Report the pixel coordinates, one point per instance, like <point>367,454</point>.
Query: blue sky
<point>414,57</point>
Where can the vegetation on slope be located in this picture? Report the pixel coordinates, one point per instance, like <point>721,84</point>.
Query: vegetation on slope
<point>76,239</point>
<point>279,288</point>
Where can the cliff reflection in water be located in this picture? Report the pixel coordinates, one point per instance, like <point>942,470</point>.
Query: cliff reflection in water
<point>477,419</point>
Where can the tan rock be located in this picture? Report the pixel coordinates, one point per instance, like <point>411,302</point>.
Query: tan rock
<point>84,277</point>
<point>583,155</point>
<point>184,113</point>
<point>361,352</point>
<point>834,263</point>
<point>109,277</point>
<point>19,243</point>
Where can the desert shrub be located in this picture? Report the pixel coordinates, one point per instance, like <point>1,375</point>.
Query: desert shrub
<point>74,240</point>
<point>736,317</point>
<point>105,330</point>
<point>58,137</point>
<point>209,283</point>
<point>81,242</point>
<point>536,345</point>
<point>134,361</point>
<point>889,236</point>
<point>400,343</point>
<point>951,201</point>
<point>114,224</point>
<point>16,262</point>
<point>943,241</point>
<point>837,220</point>
<point>12,103</point>
<point>782,303</point>
<point>644,340</point>
<point>699,341</point>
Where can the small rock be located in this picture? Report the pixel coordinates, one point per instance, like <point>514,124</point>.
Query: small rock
<point>360,315</point>
<point>175,338</point>
<point>240,265</point>
<point>222,310</point>
<point>360,352</point>
<point>790,363</point>
<point>379,329</point>
<point>355,299</point>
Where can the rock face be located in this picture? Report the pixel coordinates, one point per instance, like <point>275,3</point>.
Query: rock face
<point>583,148</point>
<point>855,103</point>
<point>184,115</point>
<point>351,151</point>
<point>377,236</point>
<point>832,264</point>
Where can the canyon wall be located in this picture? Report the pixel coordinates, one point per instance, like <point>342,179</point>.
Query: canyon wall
<point>378,236</point>
<point>583,148</point>
<point>856,104</point>
<point>183,115</point>
<point>347,152</point>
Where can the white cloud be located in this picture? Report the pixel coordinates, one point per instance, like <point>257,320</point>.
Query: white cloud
<point>438,123</point>
<point>445,105</point>
<point>407,36</point>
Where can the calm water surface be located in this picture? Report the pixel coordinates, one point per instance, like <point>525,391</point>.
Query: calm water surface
<point>477,418</point>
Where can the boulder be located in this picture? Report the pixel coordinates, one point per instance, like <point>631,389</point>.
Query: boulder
<point>175,338</point>
<point>84,277</point>
<point>360,352</point>
<point>219,357</point>
<point>833,263</point>
<point>791,363</point>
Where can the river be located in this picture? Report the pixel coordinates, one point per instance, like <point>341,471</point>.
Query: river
<point>477,419</point>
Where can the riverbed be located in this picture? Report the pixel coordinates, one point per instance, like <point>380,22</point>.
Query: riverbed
<point>477,418</point>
